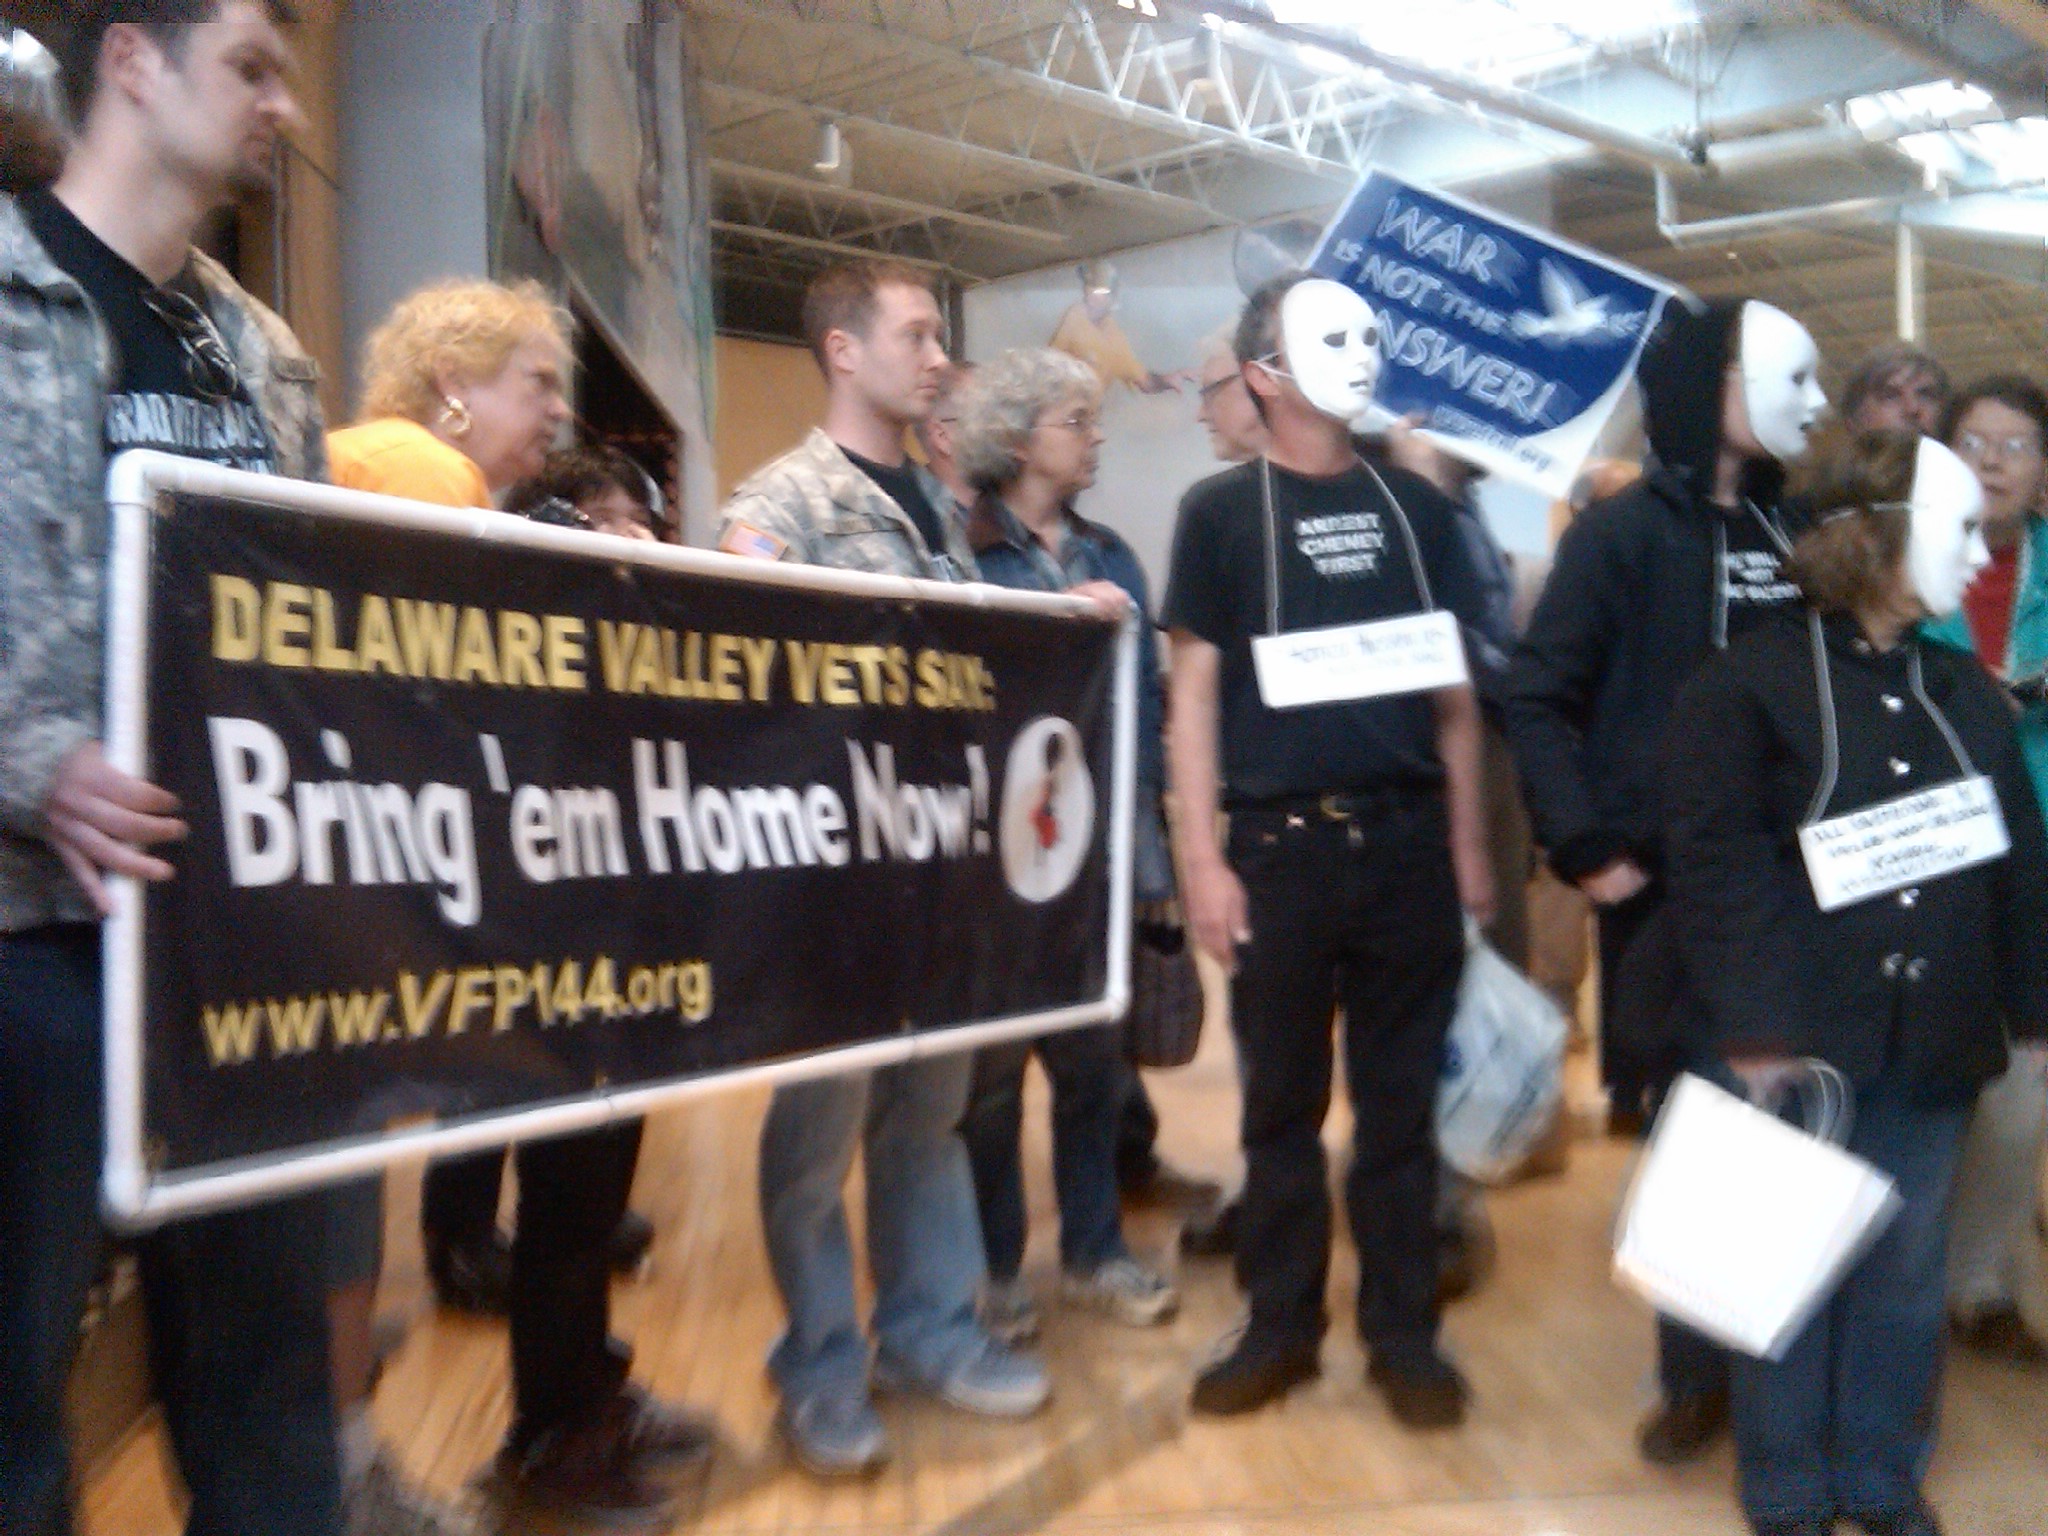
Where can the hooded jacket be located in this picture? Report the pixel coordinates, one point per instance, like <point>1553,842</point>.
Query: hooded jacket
<point>56,364</point>
<point>1636,600</point>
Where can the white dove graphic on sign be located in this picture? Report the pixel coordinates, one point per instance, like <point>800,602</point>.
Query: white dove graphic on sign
<point>1573,311</point>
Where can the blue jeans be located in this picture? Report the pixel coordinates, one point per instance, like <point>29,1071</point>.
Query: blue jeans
<point>237,1309</point>
<point>924,1239</point>
<point>1844,1423</point>
<point>1088,1088</point>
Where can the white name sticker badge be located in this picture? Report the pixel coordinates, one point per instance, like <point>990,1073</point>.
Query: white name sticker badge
<point>1897,843</point>
<point>1359,661</point>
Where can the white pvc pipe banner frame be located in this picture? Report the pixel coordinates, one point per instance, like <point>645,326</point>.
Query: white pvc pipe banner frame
<point>237,629</point>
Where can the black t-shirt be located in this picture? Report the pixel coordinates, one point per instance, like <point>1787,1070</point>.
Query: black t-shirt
<point>900,486</point>
<point>155,402</point>
<point>1752,569</point>
<point>1344,559</point>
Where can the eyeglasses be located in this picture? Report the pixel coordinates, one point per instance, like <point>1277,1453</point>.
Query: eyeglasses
<point>209,366</point>
<point>1974,446</point>
<point>1084,423</point>
<point>1210,390</point>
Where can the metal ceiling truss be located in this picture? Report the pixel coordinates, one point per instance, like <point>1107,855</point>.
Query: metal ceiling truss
<point>1027,156</point>
<point>1146,76</point>
<point>831,210</point>
<point>759,235</point>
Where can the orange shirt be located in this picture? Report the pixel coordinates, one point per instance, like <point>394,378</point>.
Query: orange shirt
<point>397,457</point>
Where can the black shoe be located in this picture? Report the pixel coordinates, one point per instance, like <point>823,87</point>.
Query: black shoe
<point>1211,1234</point>
<point>472,1276</point>
<point>1916,1521</point>
<point>663,1437</point>
<point>1680,1430</point>
<point>592,1475</point>
<point>1158,1182</point>
<point>631,1240</point>
<point>1254,1374</point>
<point>1424,1390</point>
<point>2001,1334</point>
<point>1627,1124</point>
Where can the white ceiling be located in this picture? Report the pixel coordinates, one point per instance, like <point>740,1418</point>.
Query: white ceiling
<point>988,137</point>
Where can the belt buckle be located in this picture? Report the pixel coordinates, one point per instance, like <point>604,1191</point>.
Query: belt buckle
<point>1332,807</point>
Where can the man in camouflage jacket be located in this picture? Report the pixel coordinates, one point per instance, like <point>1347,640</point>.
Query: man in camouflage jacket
<point>176,118</point>
<point>821,510</point>
<point>846,498</point>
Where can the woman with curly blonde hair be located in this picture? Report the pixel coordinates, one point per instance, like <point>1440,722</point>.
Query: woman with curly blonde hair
<point>464,393</point>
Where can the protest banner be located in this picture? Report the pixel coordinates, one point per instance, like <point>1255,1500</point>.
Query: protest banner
<point>501,830</point>
<point>1511,345</point>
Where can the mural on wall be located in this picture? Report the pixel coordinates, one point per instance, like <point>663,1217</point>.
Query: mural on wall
<point>598,188</point>
<point>1090,332</point>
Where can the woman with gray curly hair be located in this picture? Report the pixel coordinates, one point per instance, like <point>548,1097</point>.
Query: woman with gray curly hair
<point>1028,439</point>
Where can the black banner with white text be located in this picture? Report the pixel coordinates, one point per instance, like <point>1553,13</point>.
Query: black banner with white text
<point>477,826</point>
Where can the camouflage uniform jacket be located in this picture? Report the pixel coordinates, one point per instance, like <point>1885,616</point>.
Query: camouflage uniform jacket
<point>814,506</point>
<point>56,365</point>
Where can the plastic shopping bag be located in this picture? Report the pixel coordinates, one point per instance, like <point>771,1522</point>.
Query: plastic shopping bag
<point>1503,1069</point>
<point>1742,1225</point>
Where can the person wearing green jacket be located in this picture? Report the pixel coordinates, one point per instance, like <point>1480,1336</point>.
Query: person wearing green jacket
<point>1999,425</point>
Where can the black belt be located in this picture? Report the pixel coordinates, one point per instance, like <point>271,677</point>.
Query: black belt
<point>1343,804</point>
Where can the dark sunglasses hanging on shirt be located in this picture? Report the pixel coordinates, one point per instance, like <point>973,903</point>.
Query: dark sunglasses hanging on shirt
<point>209,366</point>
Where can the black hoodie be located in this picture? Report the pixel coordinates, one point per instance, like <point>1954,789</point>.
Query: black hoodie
<point>1636,601</point>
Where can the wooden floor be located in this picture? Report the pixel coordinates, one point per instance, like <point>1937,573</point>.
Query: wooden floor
<point>1559,1361</point>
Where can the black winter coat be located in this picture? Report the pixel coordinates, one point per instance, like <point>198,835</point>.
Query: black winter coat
<point>1923,986</point>
<point>1635,603</point>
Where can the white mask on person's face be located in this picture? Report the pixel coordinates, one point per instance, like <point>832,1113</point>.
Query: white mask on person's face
<point>1780,380</point>
<point>1330,340</point>
<point>1945,541</point>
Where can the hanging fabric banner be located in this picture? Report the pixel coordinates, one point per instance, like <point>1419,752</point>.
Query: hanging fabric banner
<point>498,829</point>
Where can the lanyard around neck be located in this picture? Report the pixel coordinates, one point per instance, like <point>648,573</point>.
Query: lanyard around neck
<point>1272,529</point>
<point>1830,726</point>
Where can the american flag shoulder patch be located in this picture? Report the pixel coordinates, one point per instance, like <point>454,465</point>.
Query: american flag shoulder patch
<point>746,539</point>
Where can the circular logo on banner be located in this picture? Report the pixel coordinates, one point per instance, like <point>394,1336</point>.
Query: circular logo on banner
<point>1048,809</point>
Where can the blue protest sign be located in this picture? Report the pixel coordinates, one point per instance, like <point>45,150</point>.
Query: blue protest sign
<point>1511,345</point>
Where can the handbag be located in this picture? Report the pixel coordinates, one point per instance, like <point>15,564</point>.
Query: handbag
<point>1741,1225</point>
<point>1164,1025</point>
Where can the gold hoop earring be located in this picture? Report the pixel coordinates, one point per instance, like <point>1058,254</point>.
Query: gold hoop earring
<point>454,419</point>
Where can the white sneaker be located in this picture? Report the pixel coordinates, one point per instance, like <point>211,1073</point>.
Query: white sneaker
<point>383,1503</point>
<point>996,1382</point>
<point>1122,1289</point>
<point>1009,1311</point>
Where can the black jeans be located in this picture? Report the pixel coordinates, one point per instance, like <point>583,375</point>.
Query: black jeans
<point>1137,1131</point>
<point>236,1302</point>
<point>1637,1064</point>
<point>572,1191</point>
<point>459,1197</point>
<point>1360,914</point>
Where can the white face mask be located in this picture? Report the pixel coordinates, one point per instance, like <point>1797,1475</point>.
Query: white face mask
<point>1945,544</point>
<point>1330,339</point>
<point>1780,380</point>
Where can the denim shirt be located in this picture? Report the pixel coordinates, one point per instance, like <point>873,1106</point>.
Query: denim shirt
<point>1009,555</point>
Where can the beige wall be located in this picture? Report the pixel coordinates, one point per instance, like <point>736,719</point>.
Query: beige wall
<point>769,396</point>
